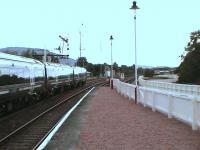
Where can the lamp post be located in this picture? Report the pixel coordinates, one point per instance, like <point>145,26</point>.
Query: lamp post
<point>135,7</point>
<point>80,48</point>
<point>111,69</point>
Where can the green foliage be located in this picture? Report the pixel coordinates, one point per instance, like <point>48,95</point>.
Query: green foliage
<point>115,67</point>
<point>99,69</point>
<point>82,62</point>
<point>32,54</point>
<point>127,70</point>
<point>54,59</point>
<point>189,69</point>
<point>96,69</point>
<point>148,73</point>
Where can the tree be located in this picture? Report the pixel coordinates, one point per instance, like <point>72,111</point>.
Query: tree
<point>189,69</point>
<point>115,67</point>
<point>97,70</point>
<point>55,59</point>
<point>140,71</point>
<point>82,62</point>
<point>148,73</point>
<point>90,68</point>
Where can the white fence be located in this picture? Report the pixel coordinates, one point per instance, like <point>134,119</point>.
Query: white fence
<point>180,88</point>
<point>185,108</point>
<point>125,89</point>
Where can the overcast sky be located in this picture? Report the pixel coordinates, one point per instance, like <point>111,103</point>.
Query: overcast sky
<point>163,28</point>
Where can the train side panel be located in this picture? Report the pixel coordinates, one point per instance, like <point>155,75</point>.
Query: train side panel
<point>58,77</point>
<point>80,76</point>
<point>18,81</point>
<point>24,80</point>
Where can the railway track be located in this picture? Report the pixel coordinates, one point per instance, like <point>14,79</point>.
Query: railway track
<point>29,133</point>
<point>32,102</point>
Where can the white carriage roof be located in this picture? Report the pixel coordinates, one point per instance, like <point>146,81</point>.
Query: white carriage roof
<point>57,65</point>
<point>80,69</point>
<point>17,58</point>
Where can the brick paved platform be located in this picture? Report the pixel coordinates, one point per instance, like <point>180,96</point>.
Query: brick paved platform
<point>105,120</point>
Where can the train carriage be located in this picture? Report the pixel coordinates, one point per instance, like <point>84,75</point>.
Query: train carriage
<point>80,76</point>
<point>24,80</point>
<point>58,77</point>
<point>20,78</point>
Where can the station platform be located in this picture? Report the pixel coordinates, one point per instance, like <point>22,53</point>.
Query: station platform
<point>107,121</point>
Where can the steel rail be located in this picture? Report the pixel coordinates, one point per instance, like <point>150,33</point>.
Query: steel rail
<point>45,112</point>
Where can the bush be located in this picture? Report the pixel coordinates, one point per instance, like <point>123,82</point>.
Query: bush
<point>148,73</point>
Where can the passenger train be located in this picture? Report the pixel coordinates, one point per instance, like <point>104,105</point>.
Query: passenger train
<point>24,79</point>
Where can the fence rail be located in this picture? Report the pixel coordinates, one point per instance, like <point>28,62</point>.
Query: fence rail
<point>185,108</point>
<point>180,88</point>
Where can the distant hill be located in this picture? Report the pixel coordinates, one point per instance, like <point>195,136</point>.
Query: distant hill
<point>21,50</point>
<point>67,61</point>
<point>145,67</point>
<point>37,51</point>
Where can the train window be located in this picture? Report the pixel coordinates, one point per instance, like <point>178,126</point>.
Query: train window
<point>4,77</point>
<point>51,74</point>
<point>18,75</point>
<point>71,76</point>
<point>64,75</point>
<point>4,71</point>
<point>38,74</point>
<point>26,74</point>
<point>11,76</point>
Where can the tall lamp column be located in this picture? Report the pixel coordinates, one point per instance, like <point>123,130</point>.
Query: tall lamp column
<point>135,7</point>
<point>111,69</point>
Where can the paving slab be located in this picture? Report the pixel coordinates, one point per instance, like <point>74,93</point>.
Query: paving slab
<point>107,121</point>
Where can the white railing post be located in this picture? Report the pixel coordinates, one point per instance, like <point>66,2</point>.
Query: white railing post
<point>194,115</point>
<point>144,100</point>
<point>170,106</point>
<point>122,89</point>
<point>185,107</point>
<point>129,93</point>
<point>154,102</point>
<point>132,93</point>
<point>118,87</point>
<point>138,95</point>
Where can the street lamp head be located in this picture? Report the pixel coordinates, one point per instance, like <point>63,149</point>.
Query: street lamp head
<point>111,37</point>
<point>134,7</point>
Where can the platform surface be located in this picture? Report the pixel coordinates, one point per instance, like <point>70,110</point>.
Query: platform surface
<point>107,121</point>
